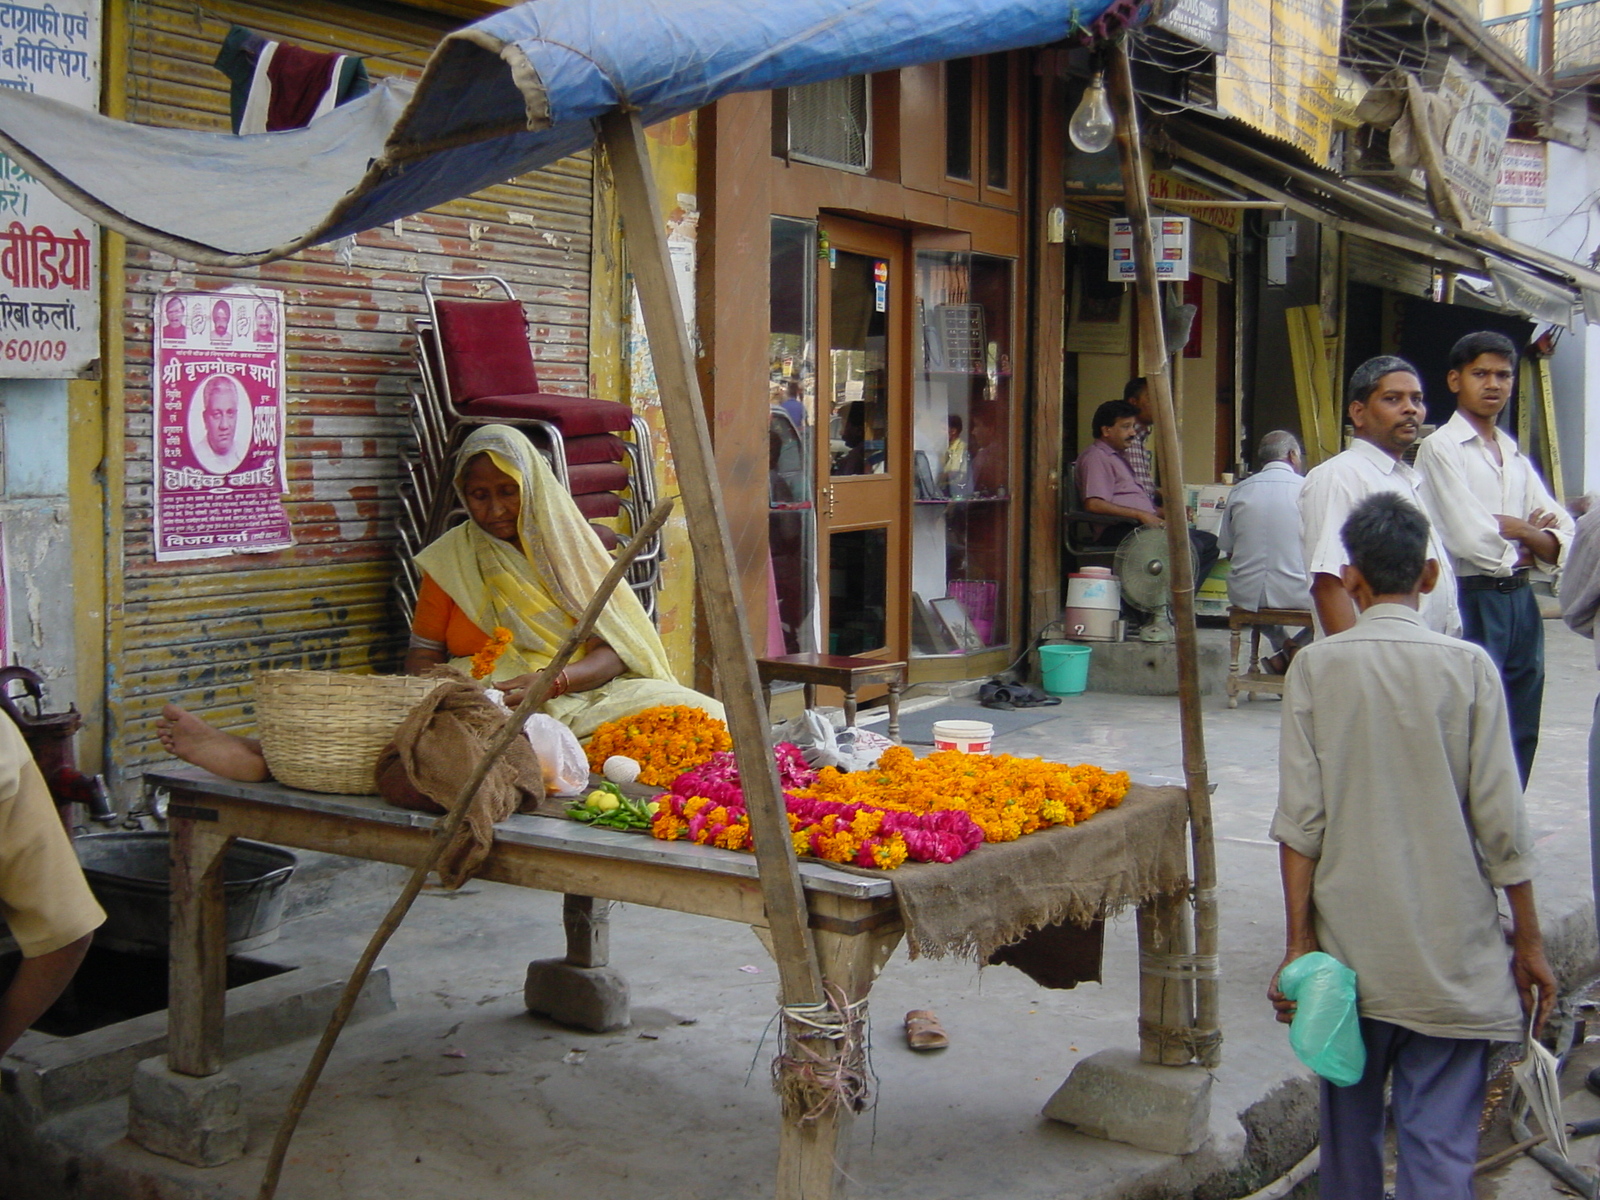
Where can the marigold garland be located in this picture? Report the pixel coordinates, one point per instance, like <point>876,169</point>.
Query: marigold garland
<point>933,809</point>
<point>665,741</point>
<point>489,653</point>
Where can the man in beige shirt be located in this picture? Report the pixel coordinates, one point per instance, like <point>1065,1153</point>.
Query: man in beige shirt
<point>44,898</point>
<point>1399,814</point>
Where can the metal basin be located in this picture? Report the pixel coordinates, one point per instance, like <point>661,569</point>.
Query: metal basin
<point>130,876</point>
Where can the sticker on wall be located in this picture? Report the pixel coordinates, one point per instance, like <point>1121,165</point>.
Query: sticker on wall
<point>880,297</point>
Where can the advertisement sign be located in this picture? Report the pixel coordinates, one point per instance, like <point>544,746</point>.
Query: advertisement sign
<point>219,454</point>
<point>1171,237</point>
<point>49,302</point>
<point>1522,175</point>
<point>1280,72</point>
<point>1474,141</point>
<point>1203,22</point>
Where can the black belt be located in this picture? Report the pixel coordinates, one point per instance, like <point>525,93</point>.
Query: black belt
<point>1492,583</point>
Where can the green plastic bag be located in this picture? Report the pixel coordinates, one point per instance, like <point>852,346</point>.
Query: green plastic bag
<point>1325,1034</point>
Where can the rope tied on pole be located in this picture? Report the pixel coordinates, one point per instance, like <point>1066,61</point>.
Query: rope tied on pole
<point>823,1065</point>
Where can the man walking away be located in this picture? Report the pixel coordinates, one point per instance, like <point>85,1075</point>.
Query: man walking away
<point>1385,407</point>
<point>1399,813</point>
<point>1496,520</point>
<point>1580,602</point>
<point>1260,534</point>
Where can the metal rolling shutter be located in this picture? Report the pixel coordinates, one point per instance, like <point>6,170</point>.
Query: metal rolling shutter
<point>197,632</point>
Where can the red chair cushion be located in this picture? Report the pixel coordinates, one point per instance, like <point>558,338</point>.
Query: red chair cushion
<point>587,478</point>
<point>596,448</point>
<point>574,416</point>
<point>484,344</point>
<point>597,506</point>
<point>609,537</point>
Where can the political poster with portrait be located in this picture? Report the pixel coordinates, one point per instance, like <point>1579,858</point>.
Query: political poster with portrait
<point>49,295</point>
<point>219,455</point>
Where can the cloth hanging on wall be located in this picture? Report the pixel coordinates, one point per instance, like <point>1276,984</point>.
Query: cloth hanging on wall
<point>278,85</point>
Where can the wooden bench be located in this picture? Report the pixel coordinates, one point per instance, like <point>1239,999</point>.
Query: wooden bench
<point>1252,679</point>
<point>847,674</point>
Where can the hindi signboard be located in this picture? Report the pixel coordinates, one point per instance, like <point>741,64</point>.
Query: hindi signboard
<point>1280,72</point>
<point>219,454</point>
<point>1171,237</point>
<point>49,301</point>
<point>1522,175</point>
<point>1474,141</point>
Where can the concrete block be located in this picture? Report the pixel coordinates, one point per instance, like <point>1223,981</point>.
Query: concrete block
<point>1151,668</point>
<point>1113,1095</point>
<point>588,997</point>
<point>192,1119</point>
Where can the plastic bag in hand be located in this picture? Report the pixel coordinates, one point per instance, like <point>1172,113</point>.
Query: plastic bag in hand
<point>1325,1033</point>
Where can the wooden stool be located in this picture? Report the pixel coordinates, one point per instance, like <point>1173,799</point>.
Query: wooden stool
<point>835,670</point>
<point>1253,679</point>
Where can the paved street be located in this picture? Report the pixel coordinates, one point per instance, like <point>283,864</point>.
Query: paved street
<point>462,1093</point>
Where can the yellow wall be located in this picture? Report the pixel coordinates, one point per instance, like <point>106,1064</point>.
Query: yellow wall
<point>619,358</point>
<point>1195,381</point>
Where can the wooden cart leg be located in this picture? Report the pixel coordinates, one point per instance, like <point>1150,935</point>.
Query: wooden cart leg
<point>580,989</point>
<point>588,925</point>
<point>813,1155</point>
<point>197,974</point>
<point>1166,1003</point>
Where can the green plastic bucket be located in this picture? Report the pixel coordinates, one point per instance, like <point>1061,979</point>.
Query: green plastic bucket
<point>1065,669</point>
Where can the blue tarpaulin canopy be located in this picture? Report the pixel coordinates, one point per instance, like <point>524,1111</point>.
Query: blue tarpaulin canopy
<point>504,96</point>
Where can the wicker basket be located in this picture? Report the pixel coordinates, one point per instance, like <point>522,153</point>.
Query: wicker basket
<point>322,731</point>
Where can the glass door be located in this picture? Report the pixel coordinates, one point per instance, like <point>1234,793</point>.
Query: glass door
<point>860,427</point>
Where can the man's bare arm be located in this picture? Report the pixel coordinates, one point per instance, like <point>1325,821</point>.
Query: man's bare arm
<point>35,987</point>
<point>1299,933</point>
<point>1335,610</point>
<point>1528,965</point>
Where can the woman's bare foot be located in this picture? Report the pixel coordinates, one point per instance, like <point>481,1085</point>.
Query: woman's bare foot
<point>187,737</point>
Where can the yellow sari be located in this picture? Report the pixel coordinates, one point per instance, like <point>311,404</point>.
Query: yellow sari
<point>539,591</point>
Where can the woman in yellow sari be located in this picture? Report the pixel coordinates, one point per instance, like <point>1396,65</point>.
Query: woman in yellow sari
<point>528,562</point>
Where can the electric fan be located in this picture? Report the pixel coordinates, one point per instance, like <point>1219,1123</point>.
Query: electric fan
<point>1145,572</point>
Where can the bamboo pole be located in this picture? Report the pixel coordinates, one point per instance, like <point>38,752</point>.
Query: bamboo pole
<point>443,833</point>
<point>800,978</point>
<point>1156,367</point>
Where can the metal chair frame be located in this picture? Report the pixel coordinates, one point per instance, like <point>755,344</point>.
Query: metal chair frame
<point>428,503</point>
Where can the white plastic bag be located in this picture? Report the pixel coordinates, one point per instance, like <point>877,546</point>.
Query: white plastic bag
<point>847,749</point>
<point>561,757</point>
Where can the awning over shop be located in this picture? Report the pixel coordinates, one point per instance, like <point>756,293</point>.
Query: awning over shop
<point>505,96</point>
<point>1528,281</point>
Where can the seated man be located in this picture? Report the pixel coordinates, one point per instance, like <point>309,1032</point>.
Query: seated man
<point>1109,487</point>
<point>1261,534</point>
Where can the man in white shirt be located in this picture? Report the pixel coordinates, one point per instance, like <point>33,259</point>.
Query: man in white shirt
<point>1260,534</point>
<point>1385,406</point>
<point>1496,520</point>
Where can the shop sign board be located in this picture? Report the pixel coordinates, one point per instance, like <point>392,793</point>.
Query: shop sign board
<point>1474,141</point>
<point>1171,237</point>
<point>1168,187</point>
<point>49,268</point>
<point>219,429</point>
<point>1203,22</point>
<point>1281,70</point>
<point>1523,172</point>
<point>1525,293</point>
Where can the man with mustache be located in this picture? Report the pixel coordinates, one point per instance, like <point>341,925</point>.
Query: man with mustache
<point>1386,409</point>
<point>1497,520</point>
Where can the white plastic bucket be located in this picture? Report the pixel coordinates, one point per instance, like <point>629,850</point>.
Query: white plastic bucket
<point>968,737</point>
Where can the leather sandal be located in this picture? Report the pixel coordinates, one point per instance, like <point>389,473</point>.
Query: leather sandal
<point>923,1031</point>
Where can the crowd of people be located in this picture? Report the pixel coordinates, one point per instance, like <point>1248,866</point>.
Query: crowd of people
<point>1409,730</point>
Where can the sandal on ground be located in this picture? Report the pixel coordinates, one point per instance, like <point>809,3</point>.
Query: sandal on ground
<point>1278,664</point>
<point>923,1031</point>
<point>1024,696</point>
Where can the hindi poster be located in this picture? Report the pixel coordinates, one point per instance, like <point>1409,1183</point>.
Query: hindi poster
<point>219,428</point>
<point>49,268</point>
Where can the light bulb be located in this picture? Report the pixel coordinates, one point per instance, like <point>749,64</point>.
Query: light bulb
<point>1091,128</point>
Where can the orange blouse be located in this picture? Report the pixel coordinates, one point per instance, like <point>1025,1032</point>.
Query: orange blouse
<point>439,623</point>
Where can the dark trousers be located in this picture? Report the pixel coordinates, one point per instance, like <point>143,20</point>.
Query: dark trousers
<point>1508,626</point>
<point>1438,1091</point>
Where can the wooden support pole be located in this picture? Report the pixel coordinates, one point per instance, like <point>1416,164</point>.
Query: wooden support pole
<point>1153,347</point>
<point>197,970</point>
<point>622,135</point>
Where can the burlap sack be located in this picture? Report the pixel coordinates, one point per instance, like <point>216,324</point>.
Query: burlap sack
<point>434,751</point>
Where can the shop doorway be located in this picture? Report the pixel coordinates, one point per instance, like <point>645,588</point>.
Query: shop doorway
<point>860,431</point>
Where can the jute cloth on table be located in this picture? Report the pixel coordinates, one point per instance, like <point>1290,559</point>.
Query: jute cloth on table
<point>993,896</point>
<point>436,748</point>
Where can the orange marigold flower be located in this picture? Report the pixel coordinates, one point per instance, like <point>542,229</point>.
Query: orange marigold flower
<point>489,653</point>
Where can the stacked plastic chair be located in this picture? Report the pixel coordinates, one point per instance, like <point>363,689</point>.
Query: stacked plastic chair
<point>476,368</point>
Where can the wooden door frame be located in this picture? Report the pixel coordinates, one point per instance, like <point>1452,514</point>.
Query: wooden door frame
<point>891,242</point>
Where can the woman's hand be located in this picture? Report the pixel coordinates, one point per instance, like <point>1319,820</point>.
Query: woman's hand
<point>599,665</point>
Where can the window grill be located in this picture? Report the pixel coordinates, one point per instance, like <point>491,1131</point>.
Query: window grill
<point>829,123</point>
